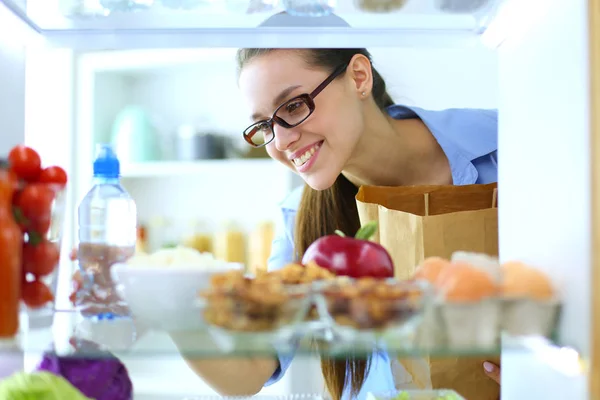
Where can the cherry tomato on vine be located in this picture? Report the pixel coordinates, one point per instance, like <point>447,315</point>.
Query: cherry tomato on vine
<point>25,162</point>
<point>33,208</point>
<point>35,294</point>
<point>55,175</point>
<point>40,259</point>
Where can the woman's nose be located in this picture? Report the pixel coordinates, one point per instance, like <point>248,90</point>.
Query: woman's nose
<point>284,138</point>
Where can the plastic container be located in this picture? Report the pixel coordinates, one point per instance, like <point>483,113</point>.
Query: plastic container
<point>309,8</point>
<point>182,4</point>
<point>29,276</point>
<point>107,235</point>
<point>238,303</point>
<point>126,5</point>
<point>42,316</point>
<point>370,304</point>
<point>379,5</point>
<point>460,6</point>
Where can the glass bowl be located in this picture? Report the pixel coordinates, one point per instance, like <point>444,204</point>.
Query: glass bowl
<point>41,252</point>
<point>359,307</point>
<point>243,304</point>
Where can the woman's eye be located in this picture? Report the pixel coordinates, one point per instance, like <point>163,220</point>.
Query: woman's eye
<point>291,107</point>
<point>263,126</point>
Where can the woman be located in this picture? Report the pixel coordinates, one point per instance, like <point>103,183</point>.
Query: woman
<point>325,114</point>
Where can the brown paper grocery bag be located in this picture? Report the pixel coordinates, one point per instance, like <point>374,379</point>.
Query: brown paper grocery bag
<point>416,222</point>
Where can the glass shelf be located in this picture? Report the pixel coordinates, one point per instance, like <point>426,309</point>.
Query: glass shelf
<point>219,23</point>
<point>124,339</point>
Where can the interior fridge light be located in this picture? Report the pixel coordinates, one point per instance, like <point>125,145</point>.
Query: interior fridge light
<point>20,34</point>
<point>565,360</point>
<point>513,19</point>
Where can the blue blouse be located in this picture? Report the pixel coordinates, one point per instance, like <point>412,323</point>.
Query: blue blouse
<point>469,138</point>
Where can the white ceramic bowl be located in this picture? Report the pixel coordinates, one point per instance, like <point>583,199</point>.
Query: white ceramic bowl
<point>166,298</point>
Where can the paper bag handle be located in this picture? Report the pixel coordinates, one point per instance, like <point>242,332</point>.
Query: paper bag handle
<point>426,198</point>
<point>495,198</point>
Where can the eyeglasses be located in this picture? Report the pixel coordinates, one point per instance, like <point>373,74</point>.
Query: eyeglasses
<point>288,115</point>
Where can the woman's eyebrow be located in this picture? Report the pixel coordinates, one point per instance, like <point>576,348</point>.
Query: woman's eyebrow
<point>284,93</point>
<point>278,100</point>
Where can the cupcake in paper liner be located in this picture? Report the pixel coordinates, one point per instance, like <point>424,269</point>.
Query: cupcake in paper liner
<point>489,264</point>
<point>432,332</point>
<point>466,313</point>
<point>469,305</point>
<point>530,304</point>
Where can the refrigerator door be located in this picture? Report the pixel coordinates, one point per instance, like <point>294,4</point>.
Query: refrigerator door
<point>545,181</point>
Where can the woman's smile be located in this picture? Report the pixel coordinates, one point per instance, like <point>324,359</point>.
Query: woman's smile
<point>305,158</point>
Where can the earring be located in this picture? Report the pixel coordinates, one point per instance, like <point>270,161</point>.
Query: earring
<point>364,94</point>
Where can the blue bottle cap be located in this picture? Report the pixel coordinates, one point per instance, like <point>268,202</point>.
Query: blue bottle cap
<point>106,164</point>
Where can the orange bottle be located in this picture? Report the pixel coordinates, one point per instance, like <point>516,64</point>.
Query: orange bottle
<point>11,245</point>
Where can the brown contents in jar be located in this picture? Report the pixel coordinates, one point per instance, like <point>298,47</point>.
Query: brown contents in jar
<point>99,293</point>
<point>380,5</point>
<point>368,303</point>
<point>265,302</point>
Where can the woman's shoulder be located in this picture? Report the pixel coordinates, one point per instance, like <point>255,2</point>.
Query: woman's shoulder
<point>473,130</point>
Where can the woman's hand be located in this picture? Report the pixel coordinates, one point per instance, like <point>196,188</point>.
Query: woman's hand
<point>492,370</point>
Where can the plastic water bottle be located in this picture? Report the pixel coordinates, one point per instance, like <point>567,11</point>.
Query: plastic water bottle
<point>107,235</point>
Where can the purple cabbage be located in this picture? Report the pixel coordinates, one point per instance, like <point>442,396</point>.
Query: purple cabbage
<point>102,378</point>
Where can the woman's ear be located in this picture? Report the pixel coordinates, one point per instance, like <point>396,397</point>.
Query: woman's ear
<point>359,70</point>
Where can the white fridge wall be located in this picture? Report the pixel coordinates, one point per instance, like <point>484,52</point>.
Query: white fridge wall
<point>12,81</point>
<point>545,180</point>
<point>12,116</point>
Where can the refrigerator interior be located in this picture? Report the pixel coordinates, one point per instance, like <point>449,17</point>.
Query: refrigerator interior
<point>103,82</point>
<point>524,77</point>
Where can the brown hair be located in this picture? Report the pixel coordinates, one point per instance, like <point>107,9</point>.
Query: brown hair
<point>321,212</point>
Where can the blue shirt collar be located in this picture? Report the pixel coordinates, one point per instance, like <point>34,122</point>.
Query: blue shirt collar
<point>460,134</point>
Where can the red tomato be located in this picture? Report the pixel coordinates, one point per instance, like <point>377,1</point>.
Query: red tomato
<point>25,162</point>
<point>55,175</point>
<point>36,294</point>
<point>40,259</point>
<point>34,208</point>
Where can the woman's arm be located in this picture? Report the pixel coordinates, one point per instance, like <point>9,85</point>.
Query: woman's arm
<point>247,376</point>
<point>234,377</point>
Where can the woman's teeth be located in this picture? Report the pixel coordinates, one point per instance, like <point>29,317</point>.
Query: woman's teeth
<point>306,156</point>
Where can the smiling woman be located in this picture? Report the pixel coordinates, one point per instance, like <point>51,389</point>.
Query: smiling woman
<point>326,114</point>
<point>287,88</point>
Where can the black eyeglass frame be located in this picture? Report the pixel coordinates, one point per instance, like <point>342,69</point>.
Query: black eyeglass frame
<point>307,98</point>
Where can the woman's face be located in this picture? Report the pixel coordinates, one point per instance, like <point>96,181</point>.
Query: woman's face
<point>319,148</point>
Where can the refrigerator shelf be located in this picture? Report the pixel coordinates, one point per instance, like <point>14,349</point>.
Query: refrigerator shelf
<point>125,339</point>
<point>416,24</point>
